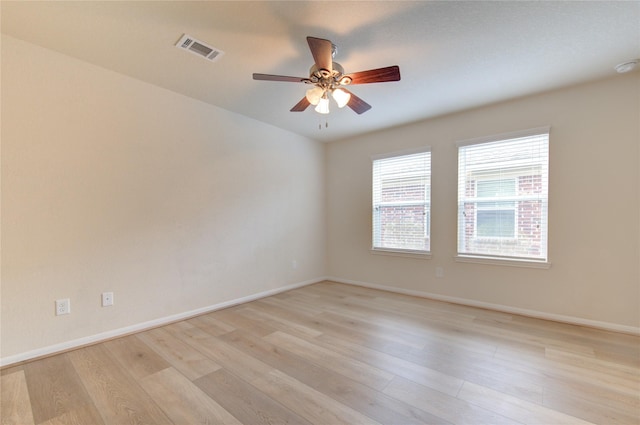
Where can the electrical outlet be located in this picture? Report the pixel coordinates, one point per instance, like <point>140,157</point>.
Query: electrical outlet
<point>63,306</point>
<point>107,299</point>
<point>294,264</point>
<point>439,272</point>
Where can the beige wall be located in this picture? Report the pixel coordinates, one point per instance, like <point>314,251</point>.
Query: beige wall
<point>112,184</point>
<point>594,243</point>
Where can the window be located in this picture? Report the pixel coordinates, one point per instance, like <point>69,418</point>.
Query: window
<point>496,219</point>
<point>503,196</point>
<point>401,202</point>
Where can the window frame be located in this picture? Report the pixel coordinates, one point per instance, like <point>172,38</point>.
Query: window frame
<point>516,172</point>
<point>405,252</point>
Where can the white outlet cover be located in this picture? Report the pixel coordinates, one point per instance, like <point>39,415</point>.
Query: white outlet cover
<point>63,306</point>
<point>107,299</point>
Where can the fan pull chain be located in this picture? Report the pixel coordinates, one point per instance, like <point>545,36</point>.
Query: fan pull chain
<point>326,123</point>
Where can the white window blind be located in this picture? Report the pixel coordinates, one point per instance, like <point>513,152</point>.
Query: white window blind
<point>503,196</point>
<point>401,202</point>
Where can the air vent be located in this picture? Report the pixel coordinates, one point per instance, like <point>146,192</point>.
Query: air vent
<point>199,48</point>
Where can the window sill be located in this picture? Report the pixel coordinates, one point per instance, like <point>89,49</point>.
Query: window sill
<point>402,253</point>
<point>533,264</point>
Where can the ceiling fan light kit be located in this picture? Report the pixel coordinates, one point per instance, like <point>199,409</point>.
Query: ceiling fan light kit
<point>328,76</point>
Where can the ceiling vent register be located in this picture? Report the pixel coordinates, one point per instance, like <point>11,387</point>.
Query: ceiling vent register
<point>199,48</point>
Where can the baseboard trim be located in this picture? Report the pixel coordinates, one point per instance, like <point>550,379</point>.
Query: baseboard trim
<point>614,327</point>
<point>104,336</point>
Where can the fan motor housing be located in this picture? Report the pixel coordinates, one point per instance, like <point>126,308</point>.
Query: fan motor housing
<point>328,79</point>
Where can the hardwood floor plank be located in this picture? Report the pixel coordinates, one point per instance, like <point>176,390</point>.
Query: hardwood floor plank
<point>137,357</point>
<point>230,358</point>
<point>408,306</point>
<point>211,325</point>
<point>329,289</point>
<point>411,307</point>
<point>11,369</point>
<point>368,327</point>
<point>359,397</point>
<point>445,370</point>
<point>186,329</point>
<point>183,402</point>
<point>312,405</point>
<point>344,365</point>
<point>189,361</point>
<point>55,387</point>
<point>520,353</point>
<point>15,404</point>
<point>279,323</point>
<point>84,415</point>
<point>270,306</point>
<point>316,322</point>
<point>628,355</point>
<point>295,304</point>
<point>117,396</point>
<point>432,333</point>
<point>557,390</point>
<point>594,364</point>
<point>399,367</point>
<point>613,343</point>
<point>556,371</point>
<point>513,407</point>
<point>246,402</point>
<point>442,405</point>
<point>540,338</point>
<point>595,410</point>
<point>238,321</point>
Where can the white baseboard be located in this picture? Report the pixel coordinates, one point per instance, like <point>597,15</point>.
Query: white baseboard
<point>103,336</point>
<point>498,307</point>
<point>93,339</point>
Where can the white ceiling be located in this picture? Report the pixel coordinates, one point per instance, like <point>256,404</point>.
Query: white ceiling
<point>452,55</point>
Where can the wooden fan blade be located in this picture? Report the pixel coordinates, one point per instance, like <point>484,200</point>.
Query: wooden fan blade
<point>269,77</point>
<point>301,106</point>
<point>380,75</point>
<point>357,104</point>
<point>321,51</point>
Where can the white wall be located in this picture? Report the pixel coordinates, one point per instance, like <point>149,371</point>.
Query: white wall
<point>594,243</point>
<point>112,184</point>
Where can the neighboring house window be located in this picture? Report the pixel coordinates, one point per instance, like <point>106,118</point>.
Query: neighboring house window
<point>401,201</point>
<point>496,219</point>
<point>503,196</point>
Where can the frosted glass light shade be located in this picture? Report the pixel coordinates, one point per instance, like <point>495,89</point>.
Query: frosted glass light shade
<point>314,95</point>
<point>323,105</point>
<point>341,97</point>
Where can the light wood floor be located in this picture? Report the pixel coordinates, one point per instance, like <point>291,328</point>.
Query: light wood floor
<point>337,354</point>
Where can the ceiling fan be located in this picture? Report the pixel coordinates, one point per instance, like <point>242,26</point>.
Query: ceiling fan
<point>328,78</point>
